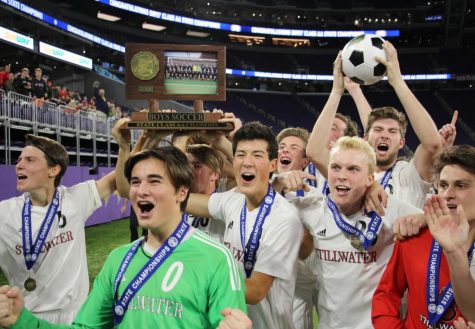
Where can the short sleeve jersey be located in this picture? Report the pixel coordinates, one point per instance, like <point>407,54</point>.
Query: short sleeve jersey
<point>406,184</point>
<point>61,269</point>
<point>214,228</point>
<point>277,254</point>
<point>347,276</point>
<point>189,290</point>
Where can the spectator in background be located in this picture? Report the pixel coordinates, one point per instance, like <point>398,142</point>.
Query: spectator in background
<point>118,112</point>
<point>101,101</point>
<point>22,82</point>
<point>52,90</point>
<point>64,95</point>
<point>8,85</point>
<point>84,104</point>
<point>4,73</point>
<point>39,85</point>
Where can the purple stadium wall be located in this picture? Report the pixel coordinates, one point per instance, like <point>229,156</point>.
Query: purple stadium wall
<point>108,212</point>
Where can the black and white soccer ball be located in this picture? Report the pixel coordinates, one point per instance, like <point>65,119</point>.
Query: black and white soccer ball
<point>358,61</point>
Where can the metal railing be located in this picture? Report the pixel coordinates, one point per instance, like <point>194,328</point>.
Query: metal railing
<point>19,112</point>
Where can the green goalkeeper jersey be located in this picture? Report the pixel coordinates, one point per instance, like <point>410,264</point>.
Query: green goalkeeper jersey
<point>189,290</point>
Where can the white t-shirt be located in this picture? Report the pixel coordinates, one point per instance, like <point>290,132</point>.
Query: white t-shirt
<point>276,256</point>
<point>406,184</point>
<point>214,228</point>
<point>306,282</point>
<point>61,269</point>
<point>348,277</point>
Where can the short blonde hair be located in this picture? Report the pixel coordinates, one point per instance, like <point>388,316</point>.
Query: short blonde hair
<point>359,144</point>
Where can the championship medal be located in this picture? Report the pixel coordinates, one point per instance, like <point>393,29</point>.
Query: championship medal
<point>30,284</point>
<point>356,243</point>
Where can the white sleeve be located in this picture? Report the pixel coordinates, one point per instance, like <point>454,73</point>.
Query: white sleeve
<point>278,249</point>
<point>84,196</point>
<point>217,205</point>
<point>409,176</point>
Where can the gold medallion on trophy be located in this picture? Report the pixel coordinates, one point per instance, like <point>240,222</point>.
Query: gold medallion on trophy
<point>144,65</point>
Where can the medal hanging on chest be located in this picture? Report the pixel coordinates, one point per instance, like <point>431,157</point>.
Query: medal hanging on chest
<point>30,284</point>
<point>250,249</point>
<point>437,304</point>
<point>31,251</point>
<point>358,239</point>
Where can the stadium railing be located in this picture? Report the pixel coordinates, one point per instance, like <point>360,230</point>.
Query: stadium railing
<point>84,133</point>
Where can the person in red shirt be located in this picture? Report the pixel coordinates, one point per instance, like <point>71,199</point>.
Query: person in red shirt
<point>4,71</point>
<point>439,255</point>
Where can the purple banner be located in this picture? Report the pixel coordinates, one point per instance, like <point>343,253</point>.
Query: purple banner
<point>108,212</point>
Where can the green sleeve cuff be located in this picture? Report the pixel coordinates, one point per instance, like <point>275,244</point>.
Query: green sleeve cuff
<point>26,320</point>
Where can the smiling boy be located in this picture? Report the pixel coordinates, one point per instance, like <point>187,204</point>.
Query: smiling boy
<point>413,266</point>
<point>176,277</point>
<point>263,230</point>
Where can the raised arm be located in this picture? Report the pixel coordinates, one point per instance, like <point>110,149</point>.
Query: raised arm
<point>317,146</point>
<point>197,205</point>
<point>362,105</point>
<point>420,120</point>
<point>122,137</point>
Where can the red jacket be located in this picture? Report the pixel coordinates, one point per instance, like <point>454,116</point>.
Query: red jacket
<point>407,269</point>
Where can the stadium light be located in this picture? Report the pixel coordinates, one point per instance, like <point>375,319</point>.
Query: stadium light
<point>108,17</point>
<point>198,34</point>
<point>153,27</point>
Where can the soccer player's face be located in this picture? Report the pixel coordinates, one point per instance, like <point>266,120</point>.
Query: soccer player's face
<point>204,178</point>
<point>337,131</point>
<point>457,186</point>
<point>385,138</point>
<point>252,167</point>
<point>32,170</point>
<point>154,198</point>
<point>291,154</point>
<point>348,178</point>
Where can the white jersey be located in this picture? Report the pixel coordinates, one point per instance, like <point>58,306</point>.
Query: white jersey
<point>306,291</point>
<point>276,256</point>
<point>348,277</point>
<point>61,269</point>
<point>406,184</point>
<point>214,228</point>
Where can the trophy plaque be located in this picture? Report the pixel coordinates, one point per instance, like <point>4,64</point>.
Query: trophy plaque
<point>178,121</point>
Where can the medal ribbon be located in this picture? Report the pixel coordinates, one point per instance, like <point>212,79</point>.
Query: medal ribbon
<point>437,305</point>
<point>154,263</point>
<point>312,182</point>
<point>387,176</point>
<point>32,250</point>
<point>373,227</point>
<point>250,250</point>
<point>313,171</point>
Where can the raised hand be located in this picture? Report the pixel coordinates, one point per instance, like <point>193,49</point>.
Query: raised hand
<point>230,117</point>
<point>121,135</point>
<point>393,71</point>
<point>448,132</point>
<point>338,84</point>
<point>351,86</point>
<point>450,230</point>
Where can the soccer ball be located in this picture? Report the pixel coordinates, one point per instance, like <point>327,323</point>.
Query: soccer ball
<point>358,61</point>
